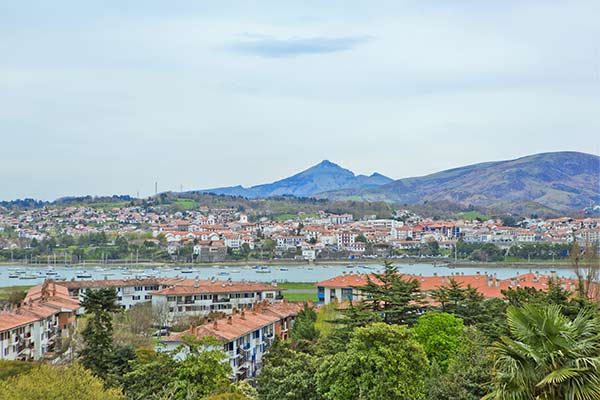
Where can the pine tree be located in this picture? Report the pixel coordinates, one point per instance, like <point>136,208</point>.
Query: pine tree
<point>99,306</point>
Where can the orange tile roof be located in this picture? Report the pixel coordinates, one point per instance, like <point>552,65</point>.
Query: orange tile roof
<point>216,287</point>
<point>239,324</point>
<point>9,320</point>
<point>488,285</point>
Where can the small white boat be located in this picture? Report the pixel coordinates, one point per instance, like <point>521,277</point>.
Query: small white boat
<point>284,269</point>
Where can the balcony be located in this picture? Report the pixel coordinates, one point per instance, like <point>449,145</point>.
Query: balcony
<point>222,300</point>
<point>232,354</point>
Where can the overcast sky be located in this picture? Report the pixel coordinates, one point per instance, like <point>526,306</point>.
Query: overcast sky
<point>107,98</point>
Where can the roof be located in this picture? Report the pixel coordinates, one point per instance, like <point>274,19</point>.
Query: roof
<point>488,285</point>
<point>215,287</point>
<point>239,324</point>
<point>10,320</point>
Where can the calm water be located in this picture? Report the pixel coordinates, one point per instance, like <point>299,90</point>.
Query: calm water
<point>28,275</point>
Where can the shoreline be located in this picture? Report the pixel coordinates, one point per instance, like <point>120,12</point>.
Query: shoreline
<point>440,262</point>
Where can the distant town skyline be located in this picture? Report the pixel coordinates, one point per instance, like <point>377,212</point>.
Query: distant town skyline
<point>106,99</point>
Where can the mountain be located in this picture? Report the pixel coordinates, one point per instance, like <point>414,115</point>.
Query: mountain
<point>323,177</point>
<point>561,181</point>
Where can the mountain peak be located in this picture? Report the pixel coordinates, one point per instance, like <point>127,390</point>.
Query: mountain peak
<point>327,163</point>
<point>322,177</point>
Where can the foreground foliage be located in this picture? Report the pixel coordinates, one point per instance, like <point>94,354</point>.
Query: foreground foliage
<point>49,383</point>
<point>382,362</point>
<point>548,356</point>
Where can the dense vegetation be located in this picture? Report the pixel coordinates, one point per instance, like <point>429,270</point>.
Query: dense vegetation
<point>396,343</point>
<point>463,347</point>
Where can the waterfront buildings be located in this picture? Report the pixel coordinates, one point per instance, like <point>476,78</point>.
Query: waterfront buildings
<point>346,287</point>
<point>245,335</point>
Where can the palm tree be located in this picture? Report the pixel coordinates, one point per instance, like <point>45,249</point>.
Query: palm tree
<point>548,356</point>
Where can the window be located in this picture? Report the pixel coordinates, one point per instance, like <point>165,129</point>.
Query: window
<point>119,298</point>
<point>256,334</point>
<point>170,298</point>
<point>139,288</point>
<point>148,297</point>
<point>135,298</point>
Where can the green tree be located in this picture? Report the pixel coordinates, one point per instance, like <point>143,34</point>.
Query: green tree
<point>65,383</point>
<point>391,295</point>
<point>547,356</point>
<point>304,332</point>
<point>439,334</point>
<point>288,374</point>
<point>97,335</point>
<point>201,373</point>
<point>469,371</point>
<point>382,362</point>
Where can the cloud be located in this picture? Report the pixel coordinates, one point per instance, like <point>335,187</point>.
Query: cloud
<point>270,47</point>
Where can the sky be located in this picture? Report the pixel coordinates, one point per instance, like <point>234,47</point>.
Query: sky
<point>107,98</point>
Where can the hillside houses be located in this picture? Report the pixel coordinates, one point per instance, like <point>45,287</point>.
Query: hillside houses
<point>212,235</point>
<point>30,331</point>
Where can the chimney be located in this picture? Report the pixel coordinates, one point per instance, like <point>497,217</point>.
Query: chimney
<point>229,320</point>
<point>243,316</point>
<point>215,327</point>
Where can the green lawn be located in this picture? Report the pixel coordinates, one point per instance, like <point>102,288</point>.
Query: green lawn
<point>301,296</point>
<point>472,215</point>
<point>185,204</point>
<point>5,291</point>
<point>298,285</point>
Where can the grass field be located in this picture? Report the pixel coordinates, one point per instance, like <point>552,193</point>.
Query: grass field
<point>298,285</point>
<point>185,204</point>
<point>299,291</point>
<point>5,291</point>
<point>301,296</point>
<point>472,215</point>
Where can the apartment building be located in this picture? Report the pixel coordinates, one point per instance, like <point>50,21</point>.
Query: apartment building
<point>30,331</point>
<point>204,297</point>
<point>129,291</point>
<point>346,287</point>
<point>246,335</point>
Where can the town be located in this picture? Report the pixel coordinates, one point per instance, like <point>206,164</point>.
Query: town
<point>68,235</point>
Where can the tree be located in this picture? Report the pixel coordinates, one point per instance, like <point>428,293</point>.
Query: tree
<point>287,374</point>
<point>392,296</point>
<point>382,362</point>
<point>439,334</point>
<point>99,305</point>
<point>547,356</point>
<point>587,270</point>
<point>304,332</point>
<point>432,248</point>
<point>361,238</point>
<point>16,296</point>
<point>133,327</point>
<point>65,383</point>
<point>469,371</point>
<point>157,376</point>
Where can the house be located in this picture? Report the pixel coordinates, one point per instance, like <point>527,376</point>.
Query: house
<point>204,297</point>
<point>245,335</point>
<point>29,332</point>
<point>346,287</point>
